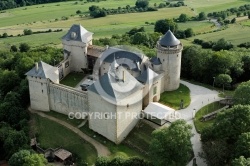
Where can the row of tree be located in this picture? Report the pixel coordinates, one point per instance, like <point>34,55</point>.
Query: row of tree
<point>221,44</point>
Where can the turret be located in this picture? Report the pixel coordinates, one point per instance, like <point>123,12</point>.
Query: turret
<point>169,50</point>
<point>75,44</point>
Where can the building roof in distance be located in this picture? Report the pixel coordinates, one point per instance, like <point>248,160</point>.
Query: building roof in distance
<point>44,70</point>
<point>169,40</point>
<point>78,33</point>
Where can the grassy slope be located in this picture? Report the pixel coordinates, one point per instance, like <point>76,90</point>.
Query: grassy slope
<point>116,150</point>
<point>173,98</point>
<point>53,135</point>
<point>204,111</point>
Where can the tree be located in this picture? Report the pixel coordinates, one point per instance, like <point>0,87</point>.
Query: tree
<point>242,93</point>
<point>141,3</point>
<point>248,15</point>
<point>229,124</point>
<point>172,145</point>
<point>25,158</point>
<point>15,141</point>
<point>102,161</point>
<point>13,48</point>
<point>35,159</point>
<point>164,25</point>
<point>183,18</point>
<point>242,145</point>
<point>202,16</point>
<point>78,12</point>
<point>189,32</point>
<point>223,79</point>
<point>233,20</point>
<point>8,81</point>
<point>18,158</point>
<point>241,161</point>
<point>27,32</point>
<point>24,47</point>
<point>5,35</point>
<point>222,44</point>
<point>238,14</point>
<point>141,38</point>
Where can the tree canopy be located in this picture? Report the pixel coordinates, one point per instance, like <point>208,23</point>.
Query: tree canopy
<point>242,93</point>
<point>26,158</point>
<point>172,145</point>
<point>164,25</point>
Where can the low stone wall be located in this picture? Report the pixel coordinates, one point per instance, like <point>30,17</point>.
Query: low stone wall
<point>64,99</point>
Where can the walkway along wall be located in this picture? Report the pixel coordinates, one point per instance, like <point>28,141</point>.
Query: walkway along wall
<point>64,99</point>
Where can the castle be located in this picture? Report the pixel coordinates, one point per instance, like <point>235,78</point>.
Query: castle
<point>124,81</point>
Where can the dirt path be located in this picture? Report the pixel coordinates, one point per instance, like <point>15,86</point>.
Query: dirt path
<point>100,148</point>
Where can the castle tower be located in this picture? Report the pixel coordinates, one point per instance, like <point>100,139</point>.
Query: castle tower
<point>75,44</point>
<point>39,78</point>
<point>169,50</point>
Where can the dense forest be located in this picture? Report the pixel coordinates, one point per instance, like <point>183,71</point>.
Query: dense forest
<point>14,95</point>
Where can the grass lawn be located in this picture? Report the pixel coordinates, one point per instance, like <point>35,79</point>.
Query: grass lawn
<point>116,150</point>
<point>204,111</point>
<point>235,34</point>
<point>173,98</point>
<point>72,79</point>
<point>53,135</point>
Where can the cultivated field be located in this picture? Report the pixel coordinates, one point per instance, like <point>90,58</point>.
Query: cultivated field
<point>235,34</point>
<point>214,5</point>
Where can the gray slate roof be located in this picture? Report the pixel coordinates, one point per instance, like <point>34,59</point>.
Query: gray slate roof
<point>169,40</point>
<point>155,61</point>
<point>108,87</point>
<point>44,71</point>
<point>78,33</point>
<point>124,58</point>
<point>147,75</point>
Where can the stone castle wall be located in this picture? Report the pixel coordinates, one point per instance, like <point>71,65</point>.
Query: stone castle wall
<point>64,99</point>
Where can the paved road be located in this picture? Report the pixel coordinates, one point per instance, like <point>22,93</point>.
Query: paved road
<point>100,148</point>
<point>200,97</point>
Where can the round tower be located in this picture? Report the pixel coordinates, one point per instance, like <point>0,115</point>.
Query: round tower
<point>169,50</point>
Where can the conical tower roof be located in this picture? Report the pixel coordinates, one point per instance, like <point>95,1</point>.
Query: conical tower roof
<point>169,40</point>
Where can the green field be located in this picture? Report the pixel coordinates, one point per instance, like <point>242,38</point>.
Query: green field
<point>214,5</point>
<point>204,111</point>
<point>173,98</point>
<point>52,135</point>
<point>235,34</point>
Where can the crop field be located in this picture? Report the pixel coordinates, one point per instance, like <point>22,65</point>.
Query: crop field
<point>214,5</point>
<point>235,34</point>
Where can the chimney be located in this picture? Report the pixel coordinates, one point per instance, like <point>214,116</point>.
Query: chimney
<point>36,64</point>
<point>123,74</point>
